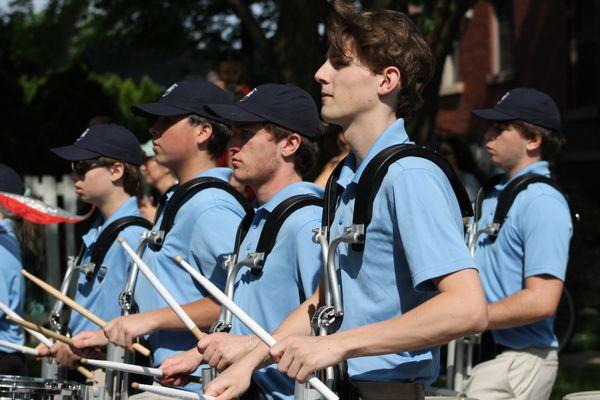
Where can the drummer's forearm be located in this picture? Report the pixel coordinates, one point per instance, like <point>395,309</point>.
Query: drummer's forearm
<point>203,312</point>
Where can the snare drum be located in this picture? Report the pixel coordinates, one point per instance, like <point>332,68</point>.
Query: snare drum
<point>25,388</point>
<point>594,395</point>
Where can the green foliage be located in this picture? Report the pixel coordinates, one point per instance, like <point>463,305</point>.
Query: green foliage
<point>572,380</point>
<point>124,93</point>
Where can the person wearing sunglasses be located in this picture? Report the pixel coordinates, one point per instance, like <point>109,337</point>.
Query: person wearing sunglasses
<point>104,162</point>
<point>188,141</point>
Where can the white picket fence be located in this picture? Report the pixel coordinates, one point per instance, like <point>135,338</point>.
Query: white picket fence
<point>51,191</point>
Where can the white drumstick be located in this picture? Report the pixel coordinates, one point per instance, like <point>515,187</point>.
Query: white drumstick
<point>135,369</point>
<point>164,293</point>
<point>170,392</point>
<point>23,349</point>
<point>43,339</point>
<point>249,322</point>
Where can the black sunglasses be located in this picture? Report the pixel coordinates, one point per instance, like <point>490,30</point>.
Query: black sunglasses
<point>81,167</point>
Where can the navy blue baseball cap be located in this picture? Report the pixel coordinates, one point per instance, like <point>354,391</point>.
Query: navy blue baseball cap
<point>185,97</point>
<point>285,105</point>
<point>108,140</point>
<point>525,104</point>
<point>10,181</point>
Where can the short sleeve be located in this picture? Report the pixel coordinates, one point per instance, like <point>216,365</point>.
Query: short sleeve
<point>429,224</point>
<point>547,229</point>
<point>212,240</point>
<point>309,259</point>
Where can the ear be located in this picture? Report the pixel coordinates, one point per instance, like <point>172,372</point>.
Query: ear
<point>290,145</point>
<point>534,142</point>
<point>117,170</point>
<point>203,132</point>
<point>390,81</point>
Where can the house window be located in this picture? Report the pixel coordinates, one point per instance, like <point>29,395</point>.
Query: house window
<point>502,37</point>
<point>451,83</point>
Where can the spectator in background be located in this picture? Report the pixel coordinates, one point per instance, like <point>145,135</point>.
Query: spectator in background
<point>159,179</point>
<point>330,152</point>
<point>230,76</point>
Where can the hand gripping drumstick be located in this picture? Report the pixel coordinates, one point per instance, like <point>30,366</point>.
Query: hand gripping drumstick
<point>170,392</point>
<point>81,310</point>
<point>249,322</point>
<point>162,291</point>
<point>134,369</point>
<point>43,339</point>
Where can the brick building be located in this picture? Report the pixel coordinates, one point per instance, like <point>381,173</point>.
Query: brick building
<point>552,45</point>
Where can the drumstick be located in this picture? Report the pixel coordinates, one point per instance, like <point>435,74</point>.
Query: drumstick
<point>170,392</point>
<point>22,349</point>
<point>249,322</point>
<point>57,336</point>
<point>135,369</point>
<point>42,330</point>
<point>81,310</point>
<point>164,293</point>
<point>43,339</point>
<point>10,313</point>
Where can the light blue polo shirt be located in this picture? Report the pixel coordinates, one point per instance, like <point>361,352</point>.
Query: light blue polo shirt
<point>415,235</point>
<point>534,240</point>
<point>12,284</point>
<point>290,275</point>
<point>100,294</point>
<point>203,233</point>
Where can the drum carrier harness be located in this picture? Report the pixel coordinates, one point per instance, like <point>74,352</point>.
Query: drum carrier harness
<point>327,319</point>
<point>487,348</point>
<point>90,269</point>
<point>255,260</point>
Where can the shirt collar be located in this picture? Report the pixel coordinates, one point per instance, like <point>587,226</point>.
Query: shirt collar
<point>540,167</point>
<point>392,135</point>
<point>290,190</point>
<point>220,173</point>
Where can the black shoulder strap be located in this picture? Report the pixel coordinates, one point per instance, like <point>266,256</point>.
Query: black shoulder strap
<point>242,230</point>
<point>483,191</point>
<point>186,191</point>
<point>513,188</point>
<point>274,222</point>
<point>109,235</point>
<point>332,193</point>
<point>373,175</point>
<point>162,202</point>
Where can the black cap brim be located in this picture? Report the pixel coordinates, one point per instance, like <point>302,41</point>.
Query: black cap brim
<point>74,153</point>
<point>233,113</point>
<point>157,110</point>
<point>492,114</point>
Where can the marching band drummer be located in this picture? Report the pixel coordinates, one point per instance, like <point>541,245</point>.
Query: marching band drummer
<point>523,269</point>
<point>12,284</point>
<point>275,127</point>
<point>414,285</point>
<point>187,140</point>
<point>104,162</point>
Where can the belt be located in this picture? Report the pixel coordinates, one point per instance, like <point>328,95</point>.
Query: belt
<point>364,390</point>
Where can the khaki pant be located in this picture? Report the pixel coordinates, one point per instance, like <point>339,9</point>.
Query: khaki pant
<point>515,375</point>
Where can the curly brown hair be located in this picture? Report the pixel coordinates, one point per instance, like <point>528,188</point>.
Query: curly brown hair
<point>381,39</point>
